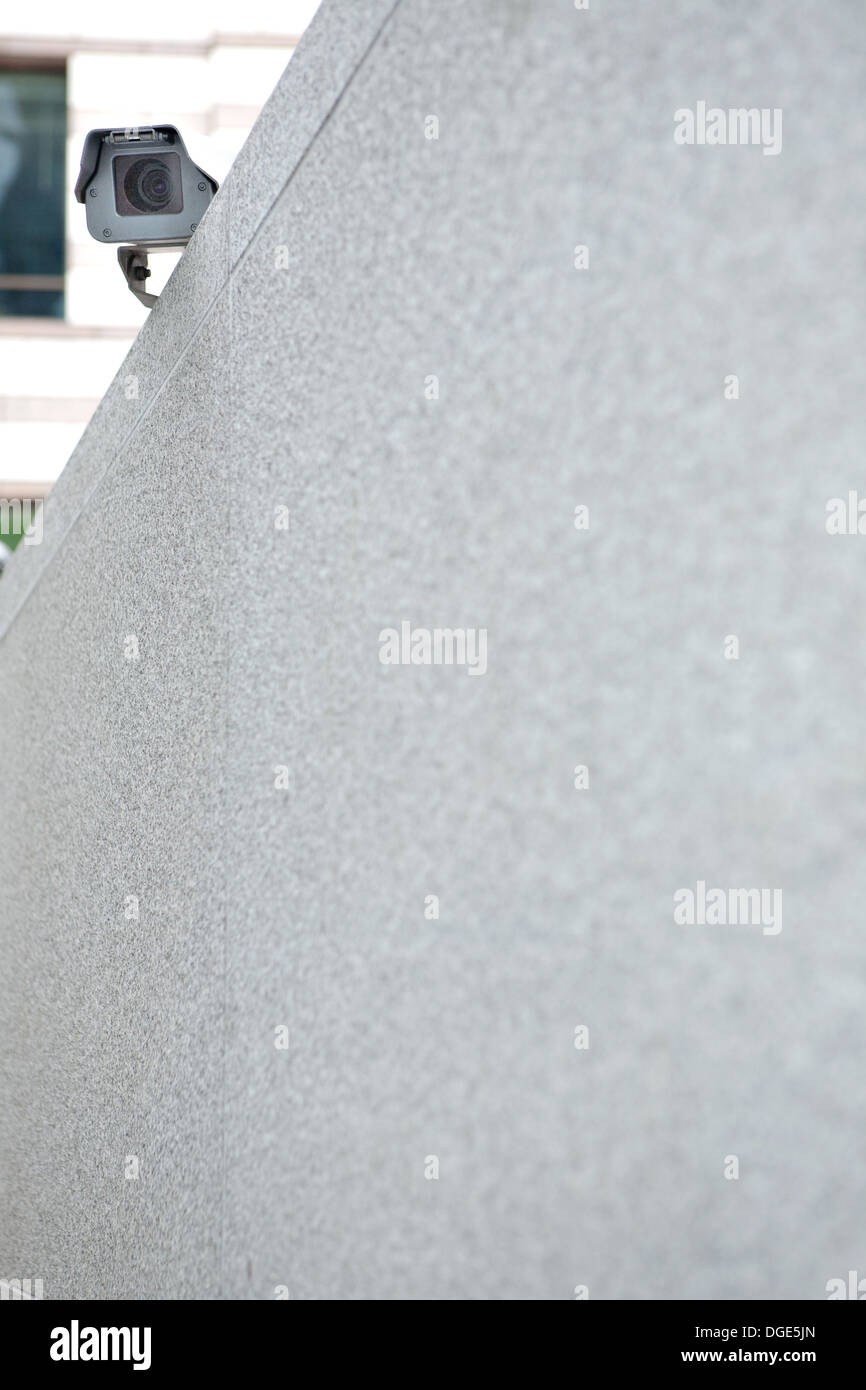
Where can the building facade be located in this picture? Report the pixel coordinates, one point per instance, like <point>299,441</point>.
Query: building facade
<point>327,978</point>
<point>66,317</point>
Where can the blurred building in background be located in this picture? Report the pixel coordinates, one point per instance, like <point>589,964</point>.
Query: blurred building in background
<point>66,317</point>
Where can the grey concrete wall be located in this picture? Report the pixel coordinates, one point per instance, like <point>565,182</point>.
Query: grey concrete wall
<point>347,259</point>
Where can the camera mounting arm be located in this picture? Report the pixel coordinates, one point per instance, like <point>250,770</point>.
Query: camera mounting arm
<point>133,263</point>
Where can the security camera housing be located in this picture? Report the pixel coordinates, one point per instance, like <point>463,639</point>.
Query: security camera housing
<point>141,188</point>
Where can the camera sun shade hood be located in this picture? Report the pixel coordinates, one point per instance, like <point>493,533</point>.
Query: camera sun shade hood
<point>94,139</point>
<point>133,258</point>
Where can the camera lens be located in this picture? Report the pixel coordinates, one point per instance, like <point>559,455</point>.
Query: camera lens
<point>148,185</point>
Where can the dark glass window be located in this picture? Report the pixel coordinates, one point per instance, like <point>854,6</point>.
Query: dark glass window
<point>32,191</point>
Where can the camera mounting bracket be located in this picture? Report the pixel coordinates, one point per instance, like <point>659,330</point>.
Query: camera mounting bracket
<point>133,263</point>
<point>136,271</point>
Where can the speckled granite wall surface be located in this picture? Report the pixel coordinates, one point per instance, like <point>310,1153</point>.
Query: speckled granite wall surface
<point>224,835</point>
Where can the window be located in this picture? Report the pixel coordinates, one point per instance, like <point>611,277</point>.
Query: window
<point>32,191</point>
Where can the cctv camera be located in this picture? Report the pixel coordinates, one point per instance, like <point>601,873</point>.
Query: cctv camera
<point>142,190</point>
<point>140,187</point>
